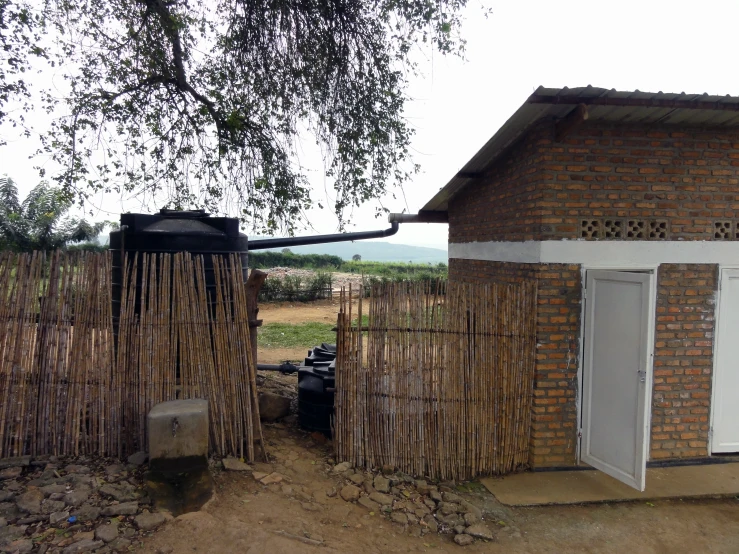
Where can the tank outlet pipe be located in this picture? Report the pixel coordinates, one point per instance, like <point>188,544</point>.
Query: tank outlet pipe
<point>286,242</point>
<point>284,368</point>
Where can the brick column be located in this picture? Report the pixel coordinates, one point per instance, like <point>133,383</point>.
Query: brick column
<point>683,360</point>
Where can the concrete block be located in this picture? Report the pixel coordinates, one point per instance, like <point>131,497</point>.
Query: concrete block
<point>178,435</point>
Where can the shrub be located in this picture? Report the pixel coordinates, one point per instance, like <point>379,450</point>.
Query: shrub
<point>267,259</point>
<point>293,288</point>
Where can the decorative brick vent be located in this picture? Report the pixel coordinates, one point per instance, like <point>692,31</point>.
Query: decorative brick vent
<point>590,229</point>
<point>613,229</point>
<point>636,229</point>
<point>620,229</point>
<point>658,229</point>
<point>722,229</point>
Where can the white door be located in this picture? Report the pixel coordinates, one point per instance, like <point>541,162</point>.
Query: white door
<point>726,378</point>
<point>616,368</point>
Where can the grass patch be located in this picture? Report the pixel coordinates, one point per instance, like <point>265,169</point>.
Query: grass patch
<point>287,335</point>
<point>365,320</point>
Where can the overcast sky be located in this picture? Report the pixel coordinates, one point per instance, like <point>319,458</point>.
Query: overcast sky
<point>458,105</point>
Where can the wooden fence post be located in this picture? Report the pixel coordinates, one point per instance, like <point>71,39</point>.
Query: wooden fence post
<point>253,284</point>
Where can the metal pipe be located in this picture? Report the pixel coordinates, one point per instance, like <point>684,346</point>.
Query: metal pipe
<point>284,368</point>
<point>261,244</point>
<point>420,217</point>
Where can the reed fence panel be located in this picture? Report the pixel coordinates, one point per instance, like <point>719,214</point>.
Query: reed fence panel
<point>74,381</point>
<point>438,383</point>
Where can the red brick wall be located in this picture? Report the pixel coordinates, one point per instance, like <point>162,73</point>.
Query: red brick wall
<point>554,417</point>
<point>542,189</point>
<point>683,360</point>
<point>503,204</point>
<point>690,178</point>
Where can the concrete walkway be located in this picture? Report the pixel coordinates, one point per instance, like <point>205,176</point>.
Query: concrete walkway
<point>578,487</point>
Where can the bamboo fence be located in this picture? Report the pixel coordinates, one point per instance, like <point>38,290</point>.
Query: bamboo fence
<point>439,382</point>
<point>74,381</point>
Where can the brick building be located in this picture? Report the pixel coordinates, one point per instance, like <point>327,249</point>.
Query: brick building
<point>623,207</point>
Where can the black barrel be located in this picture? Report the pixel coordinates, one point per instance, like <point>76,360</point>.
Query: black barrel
<point>316,386</point>
<point>172,231</point>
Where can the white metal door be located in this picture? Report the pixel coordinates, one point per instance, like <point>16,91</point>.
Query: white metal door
<point>615,372</point>
<point>725,419</point>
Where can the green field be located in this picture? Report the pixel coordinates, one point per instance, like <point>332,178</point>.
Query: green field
<point>299,335</point>
<point>287,335</point>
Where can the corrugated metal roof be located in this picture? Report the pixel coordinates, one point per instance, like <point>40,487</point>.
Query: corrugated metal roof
<point>690,110</point>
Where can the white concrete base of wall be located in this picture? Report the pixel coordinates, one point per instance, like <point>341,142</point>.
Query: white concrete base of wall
<point>600,253</point>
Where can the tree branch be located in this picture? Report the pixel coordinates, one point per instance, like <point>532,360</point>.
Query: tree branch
<point>156,79</point>
<point>170,29</point>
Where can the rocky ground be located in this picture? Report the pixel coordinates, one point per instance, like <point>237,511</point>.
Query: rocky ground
<point>419,506</point>
<point>65,505</point>
<point>302,500</point>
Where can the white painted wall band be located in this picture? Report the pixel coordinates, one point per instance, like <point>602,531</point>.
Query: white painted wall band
<point>600,253</point>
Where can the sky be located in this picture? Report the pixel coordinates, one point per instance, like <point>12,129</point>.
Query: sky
<point>458,104</point>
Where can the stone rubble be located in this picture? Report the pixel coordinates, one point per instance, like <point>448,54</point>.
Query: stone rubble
<point>419,506</point>
<point>271,478</point>
<point>51,505</point>
<point>148,521</point>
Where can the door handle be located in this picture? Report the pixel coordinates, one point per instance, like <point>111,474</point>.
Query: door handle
<point>642,375</point>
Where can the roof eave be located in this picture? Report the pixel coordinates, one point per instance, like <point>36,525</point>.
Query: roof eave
<point>557,103</point>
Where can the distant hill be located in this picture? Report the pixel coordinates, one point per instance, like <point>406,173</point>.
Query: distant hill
<point>375,252</point>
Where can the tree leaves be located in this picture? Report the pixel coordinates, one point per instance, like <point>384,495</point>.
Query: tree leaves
<point>203,104</point>
<point>37,223</point>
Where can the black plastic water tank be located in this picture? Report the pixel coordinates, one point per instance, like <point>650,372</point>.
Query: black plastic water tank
<point>316,386</point>
<point>172,231</point>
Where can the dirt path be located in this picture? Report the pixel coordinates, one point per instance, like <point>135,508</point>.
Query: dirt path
<point>320,311</point>
<point>297,516</point>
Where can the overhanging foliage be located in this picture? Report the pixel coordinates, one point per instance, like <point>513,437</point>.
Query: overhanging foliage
<point>203,103</point>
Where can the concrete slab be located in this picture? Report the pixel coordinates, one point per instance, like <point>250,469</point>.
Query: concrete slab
<point>578,487</point>
<point>178,435</point>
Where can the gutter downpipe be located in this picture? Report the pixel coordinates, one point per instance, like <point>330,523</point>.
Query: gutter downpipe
<point>394,219</point>
<point>284,242</point>
<point>421,217</point>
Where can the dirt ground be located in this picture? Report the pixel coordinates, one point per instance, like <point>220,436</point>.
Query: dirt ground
<point>321,311</point>
<point>297,516</point>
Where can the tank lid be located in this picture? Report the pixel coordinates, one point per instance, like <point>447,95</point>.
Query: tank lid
<point>183,214</point>
<point>191,222</point>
